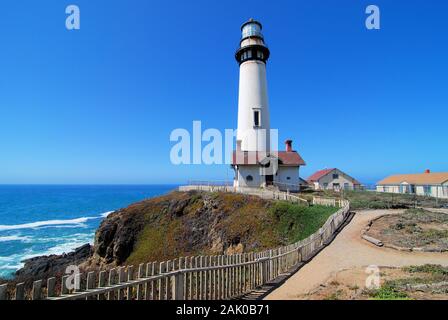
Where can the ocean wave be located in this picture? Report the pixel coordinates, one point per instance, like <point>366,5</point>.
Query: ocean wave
<point>15,238</point>
<point>40,224</point>
<point>105,214</point>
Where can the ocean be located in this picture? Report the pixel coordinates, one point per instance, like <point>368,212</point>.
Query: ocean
<point>52,219</point>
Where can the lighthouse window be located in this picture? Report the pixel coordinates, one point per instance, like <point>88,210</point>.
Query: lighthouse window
<point>249,54</point>
<point>256,118</point>
<point>260,55</point>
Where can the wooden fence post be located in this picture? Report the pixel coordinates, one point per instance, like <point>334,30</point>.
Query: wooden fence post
<point>3,288</point>
<point>130,290</point>
<point>20,291</point>
<point>101,282</point>
<point>219,279</point>
<point>177,282</point>
<point>140,274</point>
<point>162,268</point>
<point>192,279</point>
<point>36,291</point>
<point>51,282</point>
<point>111,294</point>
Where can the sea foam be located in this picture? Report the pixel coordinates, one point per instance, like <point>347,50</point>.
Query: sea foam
<point>38,224</point>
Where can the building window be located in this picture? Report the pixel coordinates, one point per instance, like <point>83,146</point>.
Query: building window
<point>256,118</point>
<point>288,178</point>
<point>346,186</point>
<point>325,185</point>
<point>427,190</point>
<point>335,176</point>
<point>249,178</point>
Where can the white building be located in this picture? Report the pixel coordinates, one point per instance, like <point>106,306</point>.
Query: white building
<point>255,164</point>
<point>333,179</point>
<point>423,184</point>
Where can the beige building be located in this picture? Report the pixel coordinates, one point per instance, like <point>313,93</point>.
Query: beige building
<point>333,179</point>
<point>423,184</point>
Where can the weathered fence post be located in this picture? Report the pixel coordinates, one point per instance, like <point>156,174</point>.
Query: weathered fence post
<point>51,282</point>
<point>162,268</point>
<point>219,280</point>
<point>130,278</point>
<point>101,282</point>
<point>140,273</point>
<point>3,288</point>
<point>20,291</point>
<point>36,291</point>
<point>197,282</point>
<point>177,282</point>
<point>111,294</point>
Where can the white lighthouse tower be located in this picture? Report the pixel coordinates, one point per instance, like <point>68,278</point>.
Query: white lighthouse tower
<point>255,164</point>
<point>253,105</point>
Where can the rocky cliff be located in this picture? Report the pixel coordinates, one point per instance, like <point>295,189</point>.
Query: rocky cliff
<point>185,224</point>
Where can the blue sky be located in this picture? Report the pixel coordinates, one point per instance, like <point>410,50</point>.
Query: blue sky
<point>98,105</point>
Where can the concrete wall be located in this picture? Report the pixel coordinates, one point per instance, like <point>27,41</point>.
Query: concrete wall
<point>288,172</point>
<point>244,172</point>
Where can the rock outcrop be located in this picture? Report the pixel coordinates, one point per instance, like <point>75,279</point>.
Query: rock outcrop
<point>43,267</point>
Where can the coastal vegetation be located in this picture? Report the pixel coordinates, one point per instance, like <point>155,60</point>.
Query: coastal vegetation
<point>378,200</point>
<point>415,282</point>
<point>220,223</point>
<point>413,229</point>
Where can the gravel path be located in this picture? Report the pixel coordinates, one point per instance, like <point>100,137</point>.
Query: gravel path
<point>348,251</point>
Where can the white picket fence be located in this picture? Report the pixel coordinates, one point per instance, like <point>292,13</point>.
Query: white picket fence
<point>190,278</point>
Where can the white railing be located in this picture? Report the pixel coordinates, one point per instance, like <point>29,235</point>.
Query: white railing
<point>190,278</point>
<point>226,186</point>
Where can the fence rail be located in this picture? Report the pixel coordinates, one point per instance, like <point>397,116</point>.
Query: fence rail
<point>190,278</point>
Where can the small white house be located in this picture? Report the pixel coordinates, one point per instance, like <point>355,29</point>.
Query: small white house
<point>333,179</point>
<point>423,184</point>
<point>259,169</point>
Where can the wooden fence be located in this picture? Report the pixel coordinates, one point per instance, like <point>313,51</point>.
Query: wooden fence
<point>187,278</point>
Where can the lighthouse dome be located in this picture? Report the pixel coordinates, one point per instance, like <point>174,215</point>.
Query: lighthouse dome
<point>251,28</point>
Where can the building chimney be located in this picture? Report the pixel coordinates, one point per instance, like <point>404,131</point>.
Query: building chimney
<point>288,144</point>
<point>427,171</point>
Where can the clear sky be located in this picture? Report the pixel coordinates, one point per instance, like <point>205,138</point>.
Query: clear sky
<point>98,105</point>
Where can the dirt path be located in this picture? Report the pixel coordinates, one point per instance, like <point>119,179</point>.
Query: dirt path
<point>348,251</point>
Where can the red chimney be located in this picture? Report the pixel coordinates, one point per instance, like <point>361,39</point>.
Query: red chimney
<point>288,145</point>
<point>427,171</point>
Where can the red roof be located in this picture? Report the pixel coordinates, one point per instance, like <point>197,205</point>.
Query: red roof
<point>319,174</point>
<point>291,158</point>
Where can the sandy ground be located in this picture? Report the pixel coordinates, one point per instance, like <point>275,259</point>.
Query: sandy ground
<point>349,251</point>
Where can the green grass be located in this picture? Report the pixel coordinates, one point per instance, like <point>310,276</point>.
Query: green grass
<point>378,200</point>
<point>389,292</point>
<point>204,223</point>
<point>433,269</point>
<point>297,222</point>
